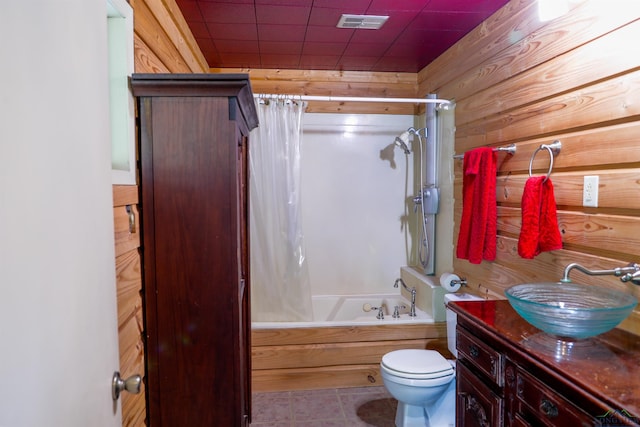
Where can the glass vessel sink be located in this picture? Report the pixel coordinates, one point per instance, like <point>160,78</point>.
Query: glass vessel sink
<point>570,310</point>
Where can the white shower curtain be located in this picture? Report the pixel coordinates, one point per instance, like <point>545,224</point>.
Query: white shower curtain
<point>280,289</point>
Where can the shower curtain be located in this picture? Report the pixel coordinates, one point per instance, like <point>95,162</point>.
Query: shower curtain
<point>280,289</point>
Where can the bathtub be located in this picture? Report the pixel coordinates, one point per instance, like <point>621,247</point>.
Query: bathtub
<point>346,310</point>
<point>342,347</point>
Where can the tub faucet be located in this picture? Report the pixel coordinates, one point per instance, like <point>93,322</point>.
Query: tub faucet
<point>629,273</point>
<point>412,312</point>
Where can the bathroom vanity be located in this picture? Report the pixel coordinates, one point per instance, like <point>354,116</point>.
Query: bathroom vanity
<point>511,374</point>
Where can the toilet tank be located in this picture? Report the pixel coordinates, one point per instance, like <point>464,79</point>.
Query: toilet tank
<point>452,318</point>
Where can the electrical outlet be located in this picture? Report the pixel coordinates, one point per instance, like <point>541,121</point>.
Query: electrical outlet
<point>590,191</point>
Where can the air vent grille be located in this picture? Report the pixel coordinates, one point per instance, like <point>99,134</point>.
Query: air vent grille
<point>365,22</point>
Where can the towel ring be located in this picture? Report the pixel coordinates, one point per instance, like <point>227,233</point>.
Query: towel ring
<point>553,149</point>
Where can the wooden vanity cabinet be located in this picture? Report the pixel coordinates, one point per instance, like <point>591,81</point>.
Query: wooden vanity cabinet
<point>193,133</point>
<point>510,374</point>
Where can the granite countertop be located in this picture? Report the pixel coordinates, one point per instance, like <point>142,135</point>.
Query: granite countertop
<point>607,366</point>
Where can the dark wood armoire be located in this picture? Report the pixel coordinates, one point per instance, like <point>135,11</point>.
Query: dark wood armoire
<point>193,131</point>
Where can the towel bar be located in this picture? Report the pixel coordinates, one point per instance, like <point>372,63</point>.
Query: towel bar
<point>509,149</point>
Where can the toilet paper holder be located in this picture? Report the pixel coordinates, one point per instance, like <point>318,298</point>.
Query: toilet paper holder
<point>461,282</point>
<point>451,282</point>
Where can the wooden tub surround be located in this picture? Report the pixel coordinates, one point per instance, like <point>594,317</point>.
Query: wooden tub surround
<point>333,357</point>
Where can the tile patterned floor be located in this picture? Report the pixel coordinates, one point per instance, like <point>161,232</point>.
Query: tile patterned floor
<point>343,407</point>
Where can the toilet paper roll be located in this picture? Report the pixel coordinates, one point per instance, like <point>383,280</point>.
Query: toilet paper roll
<point>450,282</point>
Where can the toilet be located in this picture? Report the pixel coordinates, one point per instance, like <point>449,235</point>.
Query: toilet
<point>423,381</point>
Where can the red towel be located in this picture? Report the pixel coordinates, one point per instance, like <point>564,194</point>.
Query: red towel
<point>478,227</point>
<point>539,231</point>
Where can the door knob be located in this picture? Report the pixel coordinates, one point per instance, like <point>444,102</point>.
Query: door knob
<point>131,384</point>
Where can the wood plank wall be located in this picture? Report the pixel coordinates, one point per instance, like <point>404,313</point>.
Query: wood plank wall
<point>337,83</point>
<point>129,299</point>
<point>163,42</point>
<point>576,79</point>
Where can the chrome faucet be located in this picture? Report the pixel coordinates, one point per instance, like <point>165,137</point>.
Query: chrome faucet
<point>630,273</point>
<point>367,307</point>
<point>412,312</point>
<point>632,277</point>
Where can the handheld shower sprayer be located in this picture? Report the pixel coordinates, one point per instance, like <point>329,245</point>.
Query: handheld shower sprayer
<point>402,141</point>
<point>427,199</point>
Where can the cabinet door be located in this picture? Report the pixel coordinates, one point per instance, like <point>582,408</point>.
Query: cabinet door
<point>189,206</point>
<point>476,404</point>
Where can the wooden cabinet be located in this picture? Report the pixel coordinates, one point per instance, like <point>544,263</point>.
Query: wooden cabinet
<point>511,374</point>
<point>193,133</point>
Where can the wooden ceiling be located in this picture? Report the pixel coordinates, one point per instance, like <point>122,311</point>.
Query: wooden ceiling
<point>302,34</point>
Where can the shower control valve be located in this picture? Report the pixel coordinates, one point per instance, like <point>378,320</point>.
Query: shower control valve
<point>429,198</point>
<point>417,200</point>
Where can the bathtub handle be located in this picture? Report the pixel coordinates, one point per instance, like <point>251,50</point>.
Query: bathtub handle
<point>367,308</point>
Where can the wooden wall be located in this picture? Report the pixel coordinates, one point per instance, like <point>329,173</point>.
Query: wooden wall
<point>576,79</point>
<point>129,286</point>
<point>163,42</point>
<point>337,83</point>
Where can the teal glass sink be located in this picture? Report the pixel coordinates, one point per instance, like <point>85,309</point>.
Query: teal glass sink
<point>570,310</point>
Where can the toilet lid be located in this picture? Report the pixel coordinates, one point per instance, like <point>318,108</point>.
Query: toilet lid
<point>415,363</point>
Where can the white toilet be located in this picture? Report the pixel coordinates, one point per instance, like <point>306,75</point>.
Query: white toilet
<point>423,381</point>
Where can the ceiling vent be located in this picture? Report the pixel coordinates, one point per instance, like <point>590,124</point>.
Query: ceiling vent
<point>365,22</point>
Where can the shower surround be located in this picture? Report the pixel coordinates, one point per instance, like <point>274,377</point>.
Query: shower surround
<point>356,189</point>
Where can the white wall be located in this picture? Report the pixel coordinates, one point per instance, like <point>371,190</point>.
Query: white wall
<point>355,214</point>
<point>58,330</point>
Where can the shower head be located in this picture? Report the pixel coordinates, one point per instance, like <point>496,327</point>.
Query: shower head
<point>402,141</point>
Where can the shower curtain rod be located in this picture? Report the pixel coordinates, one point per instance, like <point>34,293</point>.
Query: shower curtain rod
<point>354,99</point>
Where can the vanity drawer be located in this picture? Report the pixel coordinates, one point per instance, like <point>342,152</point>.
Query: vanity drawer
<point>480,355</point>
<point>540,405</point>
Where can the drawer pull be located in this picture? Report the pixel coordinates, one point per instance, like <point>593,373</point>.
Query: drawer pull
<point>548,408</point>
<point>478,411</point>
<point>474,351</point>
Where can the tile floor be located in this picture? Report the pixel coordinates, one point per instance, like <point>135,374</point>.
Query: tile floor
<point>343,407</point>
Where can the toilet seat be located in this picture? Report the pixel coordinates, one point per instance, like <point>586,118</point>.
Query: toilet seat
<point>417,364</point>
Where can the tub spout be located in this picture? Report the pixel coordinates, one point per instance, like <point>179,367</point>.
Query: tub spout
<point>412,311</point>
